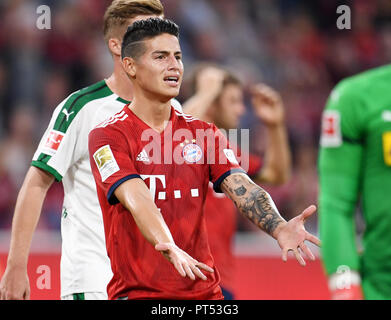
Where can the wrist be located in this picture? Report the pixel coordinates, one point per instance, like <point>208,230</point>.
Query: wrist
<point>17,265</point>
<point>17,262</point>
<point>276,232</point>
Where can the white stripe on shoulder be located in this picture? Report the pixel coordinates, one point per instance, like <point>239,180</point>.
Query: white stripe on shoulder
<point>176,104</point>
<point>185,116</point>
<point>113,119</point>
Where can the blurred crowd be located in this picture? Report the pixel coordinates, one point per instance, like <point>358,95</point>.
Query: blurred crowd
<point>292,45</point>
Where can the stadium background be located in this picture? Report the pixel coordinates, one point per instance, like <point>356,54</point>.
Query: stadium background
<point>292,45</point>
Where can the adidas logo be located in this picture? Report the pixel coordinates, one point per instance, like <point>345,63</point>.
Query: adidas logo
<point>143,156</point>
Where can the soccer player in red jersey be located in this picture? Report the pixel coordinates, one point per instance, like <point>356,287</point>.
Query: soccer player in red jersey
<point>145,225</point>
<point>223,105</point>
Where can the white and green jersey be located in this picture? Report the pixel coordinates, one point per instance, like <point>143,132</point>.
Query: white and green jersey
<point>63,152</point>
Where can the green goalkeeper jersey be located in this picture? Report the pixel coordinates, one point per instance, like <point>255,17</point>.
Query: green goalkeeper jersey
<point>355,166</point>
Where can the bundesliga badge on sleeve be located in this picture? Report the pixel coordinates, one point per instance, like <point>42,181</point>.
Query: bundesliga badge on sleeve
<point>331,129</point>
<point>53,142</point>
<point>105,162</point>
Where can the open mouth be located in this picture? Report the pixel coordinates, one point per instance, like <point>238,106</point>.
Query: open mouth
<point>171,79</point>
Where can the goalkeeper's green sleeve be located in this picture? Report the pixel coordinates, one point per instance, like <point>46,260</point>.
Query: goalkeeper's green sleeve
<point>339,178</point>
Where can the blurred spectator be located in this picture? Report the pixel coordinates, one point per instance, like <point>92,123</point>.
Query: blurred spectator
<point>7,194</point>
<point>18,145</point>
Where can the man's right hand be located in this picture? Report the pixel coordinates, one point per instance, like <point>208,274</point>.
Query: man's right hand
<point>15,284</point>
<point>183,263</point>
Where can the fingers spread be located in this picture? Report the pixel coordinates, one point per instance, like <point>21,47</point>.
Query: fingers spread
<point>180,269</point>
<point>189,273</point>
<point>308,212</point>
<point>307,252</point>
<point>312,238</point>
<point>299,257</point>
<point>198,272</point>
<point>204,266</point>
<point>285,255</point>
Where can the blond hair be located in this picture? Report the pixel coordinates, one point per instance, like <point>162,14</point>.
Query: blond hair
<point>118,14</point>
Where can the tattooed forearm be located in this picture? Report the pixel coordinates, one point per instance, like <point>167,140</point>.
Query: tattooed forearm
<point>240,191</point>
<point>257,206</point>
<point>253,201</point>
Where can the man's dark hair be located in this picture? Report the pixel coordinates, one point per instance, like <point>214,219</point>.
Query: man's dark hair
<point>132,44</point>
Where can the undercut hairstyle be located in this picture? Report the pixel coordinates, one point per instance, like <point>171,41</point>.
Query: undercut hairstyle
<point>117,15</point>
<point>133,43</point>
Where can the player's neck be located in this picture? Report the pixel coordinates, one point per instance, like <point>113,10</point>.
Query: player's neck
<point>119,82</point>
<point>153,112</point>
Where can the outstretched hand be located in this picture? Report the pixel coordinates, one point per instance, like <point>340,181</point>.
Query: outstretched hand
<point>292,235</point>
<point>183,263</point>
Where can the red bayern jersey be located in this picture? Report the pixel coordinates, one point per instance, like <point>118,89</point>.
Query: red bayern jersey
<point>221,214</point>
<point>177,166</point>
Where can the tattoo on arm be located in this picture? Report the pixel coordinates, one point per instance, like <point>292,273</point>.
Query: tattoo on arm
<point>240,191</point>
<point>253,201</point>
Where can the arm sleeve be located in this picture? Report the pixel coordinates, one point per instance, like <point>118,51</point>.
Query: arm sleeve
<point>221,159</point>
<point>339,165</point>
<point>111,161</point>
<point>56,150</point>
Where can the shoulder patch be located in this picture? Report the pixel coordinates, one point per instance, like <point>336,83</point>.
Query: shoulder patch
<point>53,142</point>
<point>105,161</point>
<point>331,129</point>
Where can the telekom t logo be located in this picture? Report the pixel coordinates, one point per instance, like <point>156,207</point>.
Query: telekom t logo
<point>152,184</point>
<point>162,195</point>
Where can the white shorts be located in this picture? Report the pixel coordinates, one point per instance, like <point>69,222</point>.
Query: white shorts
<point>86,296</point>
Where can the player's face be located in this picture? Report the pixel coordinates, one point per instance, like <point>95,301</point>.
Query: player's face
<point>230,107</point>
<point>159,70</point>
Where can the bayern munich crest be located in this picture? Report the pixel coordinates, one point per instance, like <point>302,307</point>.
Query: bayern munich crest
<point>192,153</point>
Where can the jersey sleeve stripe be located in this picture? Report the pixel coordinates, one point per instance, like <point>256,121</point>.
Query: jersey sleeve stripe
<point>77,101</point>
<point>47,168</point>
<point>111,198</point>
<point>217,184</point>
<point>43,157</point>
